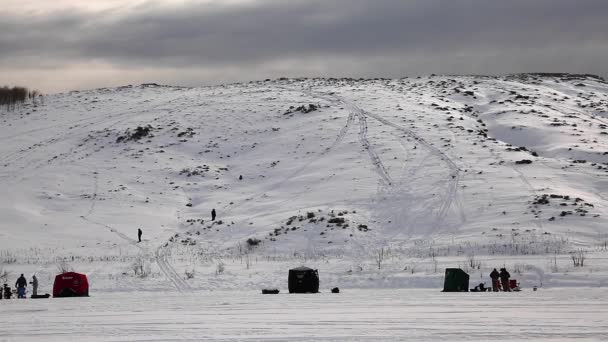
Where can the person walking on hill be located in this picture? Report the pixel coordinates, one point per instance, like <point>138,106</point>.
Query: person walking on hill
<point>504,279</point>
<point>21,284</point>
<point>213,214</point>
<point>139,232</point>
<point>34,283</point>
<point>494,276</point>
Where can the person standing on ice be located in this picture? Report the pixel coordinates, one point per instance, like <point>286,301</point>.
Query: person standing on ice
<point>494,276</point>
<point>504,279</point>
<point>213,214</point>
<point>139,232</point>
<point>21,284</point>
<point>34,283</point>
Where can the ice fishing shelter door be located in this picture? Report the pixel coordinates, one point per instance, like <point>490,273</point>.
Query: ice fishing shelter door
<point>456,280</point>
<point>71,284</point>
<point>303,280</point>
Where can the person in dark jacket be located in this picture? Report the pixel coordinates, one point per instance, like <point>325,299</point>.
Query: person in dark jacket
<point>139,232</point>
<point>504,279</point>
<point>21,284</point>
<point>494,276</point>
<point>213,214</point>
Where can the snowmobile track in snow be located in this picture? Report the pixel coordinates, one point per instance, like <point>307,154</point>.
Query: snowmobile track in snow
<point>451,194</point>
<point>453,181</point>
<point>375,159</point>
<point>359,114</point>
<point>160,257</point>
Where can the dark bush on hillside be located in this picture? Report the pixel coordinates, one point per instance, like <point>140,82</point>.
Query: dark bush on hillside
<point>252,242</point>
<point>336,220</point>
<point>135,135</point>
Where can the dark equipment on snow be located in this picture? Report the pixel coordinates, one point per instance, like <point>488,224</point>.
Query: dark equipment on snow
<point>8,293</point>
<point>71,284</point>
<point>303,280</point>
<point>480,288</point>
<point>514,285</point>
<point>335,290</point>
<point>270,291</point>
<point>41,296</point>
<point>456,280</point>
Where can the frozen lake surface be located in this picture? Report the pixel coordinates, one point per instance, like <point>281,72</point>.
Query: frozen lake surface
<point>354,315</point>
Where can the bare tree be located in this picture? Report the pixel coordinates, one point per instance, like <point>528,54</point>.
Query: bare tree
<point>63,266</point>
<point>380,254</point>
<point>11,97</point>
<point>4,276</point>
<point>578,258</point>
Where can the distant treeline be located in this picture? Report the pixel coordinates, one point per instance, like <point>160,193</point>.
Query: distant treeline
<point>11,97</point>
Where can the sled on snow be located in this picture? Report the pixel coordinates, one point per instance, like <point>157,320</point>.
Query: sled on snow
<point>46,295</point>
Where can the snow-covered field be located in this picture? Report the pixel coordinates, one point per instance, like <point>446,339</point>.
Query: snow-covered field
<point>379,184</point>
<point>358,315</point>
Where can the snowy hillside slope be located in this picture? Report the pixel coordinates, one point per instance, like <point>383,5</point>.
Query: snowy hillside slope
<point>378,183</point>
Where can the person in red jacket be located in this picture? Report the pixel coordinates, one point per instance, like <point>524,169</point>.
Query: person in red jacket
<point>504,279</point>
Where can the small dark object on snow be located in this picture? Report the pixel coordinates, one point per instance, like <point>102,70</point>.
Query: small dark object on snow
<point>8,293</point>
<point>213,214</point>
<point>335,290</point>
<point>41,296</point>
<point>480,288</point>
<point>524,161</point>
<point>270,291</point>
<point>241,177</point>
<point>139,232</point>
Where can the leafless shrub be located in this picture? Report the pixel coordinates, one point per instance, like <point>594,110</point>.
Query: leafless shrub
<point>379,256</point>
<point>7,257</point>
<point>4,275</point>
<point>520,268</point>
<point>11,97</point>
<point>472,262</point>
<point>141,267</point>
<point>63,266</point>
<point>220,268</point>
<point>553,264</point>
<point>578,258</point>
<point>247,261</point>
<point>190,274</point>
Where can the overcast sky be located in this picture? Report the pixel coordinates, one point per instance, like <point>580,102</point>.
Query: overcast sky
<point>73,44</point>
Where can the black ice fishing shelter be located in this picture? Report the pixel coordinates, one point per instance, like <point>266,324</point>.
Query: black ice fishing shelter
<point>303,280</point>
<point>456,280</point>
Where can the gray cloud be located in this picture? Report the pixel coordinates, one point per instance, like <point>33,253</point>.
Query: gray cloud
<point>346,37</point>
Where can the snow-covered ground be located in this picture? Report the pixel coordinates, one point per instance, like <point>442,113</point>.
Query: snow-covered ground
<point>379,184</point>
<point>358,315</point>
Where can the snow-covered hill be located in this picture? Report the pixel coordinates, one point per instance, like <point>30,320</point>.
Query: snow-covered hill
<point>378,183</point>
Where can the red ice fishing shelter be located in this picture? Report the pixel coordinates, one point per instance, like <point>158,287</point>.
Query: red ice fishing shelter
<point>71,284</point>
